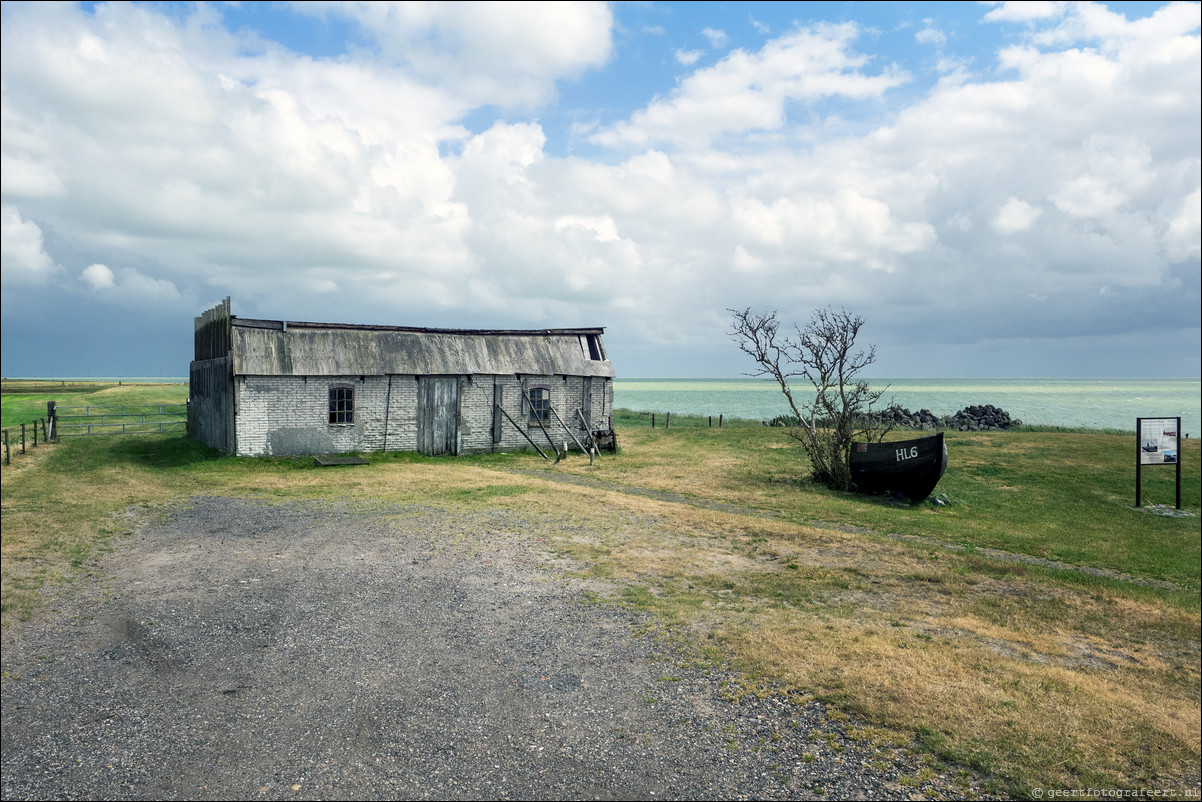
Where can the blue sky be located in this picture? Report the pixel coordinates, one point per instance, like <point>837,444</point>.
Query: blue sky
<point>998,189</point>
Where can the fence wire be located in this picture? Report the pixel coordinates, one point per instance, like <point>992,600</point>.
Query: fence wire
<point>127,419</point>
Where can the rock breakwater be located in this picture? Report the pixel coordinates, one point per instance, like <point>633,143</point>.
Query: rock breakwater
<point>984,417</point>
<point>976,418</point>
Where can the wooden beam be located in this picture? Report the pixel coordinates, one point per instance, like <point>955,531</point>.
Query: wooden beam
<point>565,426</point>
<point>523,434</point>
<point>589,435</point>
<point>539,421</point>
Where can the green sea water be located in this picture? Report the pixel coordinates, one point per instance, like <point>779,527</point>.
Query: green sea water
<point>1090,403</point>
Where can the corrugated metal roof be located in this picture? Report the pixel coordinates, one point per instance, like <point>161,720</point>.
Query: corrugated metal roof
<point>276,348</point>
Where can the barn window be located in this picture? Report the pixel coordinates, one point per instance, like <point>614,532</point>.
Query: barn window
<point>590,344</point>
<point>342,405</point>
<point>540,404</point>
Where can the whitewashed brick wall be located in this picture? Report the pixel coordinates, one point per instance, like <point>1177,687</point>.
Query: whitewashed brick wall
<point>290,415</point>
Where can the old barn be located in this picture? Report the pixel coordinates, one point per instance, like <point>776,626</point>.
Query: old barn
<point>276,387</point>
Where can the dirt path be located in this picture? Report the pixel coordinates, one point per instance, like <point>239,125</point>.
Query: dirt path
<point>238,650</point>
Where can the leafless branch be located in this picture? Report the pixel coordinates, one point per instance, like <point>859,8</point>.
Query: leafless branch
<point>824,354</point>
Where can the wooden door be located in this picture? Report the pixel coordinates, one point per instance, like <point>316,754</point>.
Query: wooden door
<point>437,415</point>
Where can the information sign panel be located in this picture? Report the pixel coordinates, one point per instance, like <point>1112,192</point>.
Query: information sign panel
<point>1159,444</point>
<point>1158,441</point>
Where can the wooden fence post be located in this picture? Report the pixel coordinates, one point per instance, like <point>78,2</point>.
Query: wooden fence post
<point>52,414</point>
<point>35,434</point>
<point>7,457</point>
<point>719,421</point>
<point>652,420</point>
<point>667,420</point>
<point>22,438</point>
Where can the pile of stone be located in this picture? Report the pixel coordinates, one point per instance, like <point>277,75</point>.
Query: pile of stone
<point>902,418</point>
<point>985,417</point>
<point>981,418</point>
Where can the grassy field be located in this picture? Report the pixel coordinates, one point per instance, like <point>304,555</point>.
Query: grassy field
<point>25,402</point>
<point>1037,628</point>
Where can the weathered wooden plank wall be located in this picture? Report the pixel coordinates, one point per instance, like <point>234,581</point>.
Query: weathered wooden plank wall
<point>213,332</point>
<point>211,403</point>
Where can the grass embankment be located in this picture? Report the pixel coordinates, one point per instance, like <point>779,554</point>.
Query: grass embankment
<point>1041,676</point>
<point>25,401</point>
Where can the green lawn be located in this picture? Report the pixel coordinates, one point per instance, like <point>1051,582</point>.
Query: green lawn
<point>26,407</point>
<point>1065,496</point>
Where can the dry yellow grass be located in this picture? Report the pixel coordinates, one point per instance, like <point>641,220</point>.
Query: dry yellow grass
<point>1040,682</point>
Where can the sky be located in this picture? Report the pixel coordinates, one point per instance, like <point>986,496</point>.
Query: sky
<point>998,189</point>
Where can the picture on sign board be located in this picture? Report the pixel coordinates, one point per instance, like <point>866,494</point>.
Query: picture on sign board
<point>1158,441</point>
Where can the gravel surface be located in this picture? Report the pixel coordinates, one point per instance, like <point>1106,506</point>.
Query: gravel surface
<point>238,650</point>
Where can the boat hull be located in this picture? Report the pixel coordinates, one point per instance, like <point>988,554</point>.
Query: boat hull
<point>909,467</point>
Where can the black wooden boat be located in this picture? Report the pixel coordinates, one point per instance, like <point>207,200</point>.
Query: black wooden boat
<point>909,467</point>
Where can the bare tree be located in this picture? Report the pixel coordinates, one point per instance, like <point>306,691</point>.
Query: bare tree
<point>824,354</point>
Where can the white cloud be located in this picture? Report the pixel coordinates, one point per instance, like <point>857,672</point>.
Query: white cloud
<point>22,254</point>
<point>750,91</point>
<point>930,35</point>
<point>263,165</point>
<point>128,287</point>
<point>717,38</point>
<point>98,277</point>
<point>22,176</point>
<point>745,262</point>
<point>1025,11</point>
<point>1014,216</point>
<point>1087,196</point>
<point>140,289</point>
<point>353,189</point>
<point>603,227</point>
<point>688,57</point>
<point>505,53</point>
<point>1183,237</point>
<point>847,228</point>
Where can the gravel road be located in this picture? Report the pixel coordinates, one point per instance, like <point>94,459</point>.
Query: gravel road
<point>303,650</point>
